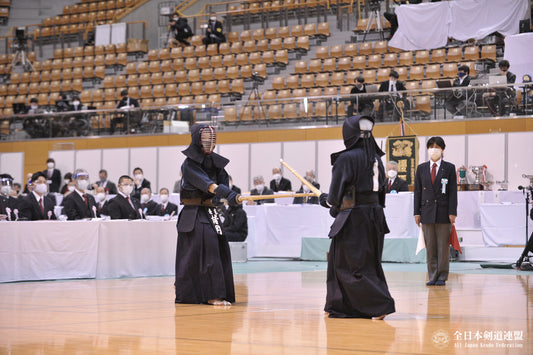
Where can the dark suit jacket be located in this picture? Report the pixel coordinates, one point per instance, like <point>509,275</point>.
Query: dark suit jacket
<point>398,185</point>
<point>119,208</point>
<point>110,187</point>
<point>284,185</point>
<point>266,191</point>
<point>169,209</point>
<point>310,200</point>
<point>12,203</point>
<point>137,191</point>
<point>30,209</point>
<point>430,203</point>
<point>384,87</point>
<point>152,208</point>
<point>102,210</point>
<point>56,180</point>
<point>124,101</point>
<point>74,206</point>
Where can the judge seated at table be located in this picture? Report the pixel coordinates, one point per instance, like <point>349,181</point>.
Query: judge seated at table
<point>37,205</point>
<point>123,206</point>
<point>101,201</point>
<point>166,208</point>
<point>394,183</point>
<point>260,189</point>
<point>149,206</point>
<point>79,204</point>
<point>310,177</point>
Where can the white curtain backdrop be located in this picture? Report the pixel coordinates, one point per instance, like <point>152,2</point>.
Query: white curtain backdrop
<point>428,25</point>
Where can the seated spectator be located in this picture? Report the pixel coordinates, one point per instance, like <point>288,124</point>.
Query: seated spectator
<point>123,206</point>
<point>34,107</point>
<point>456,102</point>
<point>149,206</point>
<point>140,182</point>
<point>502,99</point>
<point>260,189</point>
<point>235,224</point>
<point>77,105</point>
<point>67,179</point>
<point>15,192</point>
<point>27,187</point>
<point>101,201</point>
<point>53,175</point>
<point>79,204</point>
<point>213,31</point>
<point>167,208</point>
<point>8,203</point>
<point>37,205</point>
<point>388,107</point>
<point>62,104</point>
<point>180,30</point>
<point>233,187</point>
<point>361,103</point>
<point>109,186</point>
<point>393,182</point>
<point>309,176</point>
<point>126,102</point>
<point>278,182</point>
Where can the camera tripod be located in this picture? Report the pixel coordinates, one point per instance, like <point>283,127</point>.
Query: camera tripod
<point>375,15</point>
<point>21,58</point>
<point>257,97</point>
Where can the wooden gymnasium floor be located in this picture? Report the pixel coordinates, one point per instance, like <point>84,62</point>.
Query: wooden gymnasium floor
<point>275,313</point>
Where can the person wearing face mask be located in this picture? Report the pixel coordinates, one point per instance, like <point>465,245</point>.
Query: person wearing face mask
<point>37,205</point>
<point>455,103</point>
<point>501,100</point>
<point>180,30</point>
<point>123,205</point>
<point>140,182</point>
<point>101,201</point>
<point>166,208</point>
<point>79,204</point>
<point>393,182</point>
<point>103,181</point>
<point>6,200</point>
<point>34,107</point>
<point>53,175</point>
<point>435,208</point>
<point>67,178</point>
<point>278,182</point>
<point>360,104</point>
<point>149,206</point>
<point>388,109</point>
<point>204,273</point>
<point>309,176</point>
<point>260,189</point>
<point>356,285</point>
<point>213,31</point>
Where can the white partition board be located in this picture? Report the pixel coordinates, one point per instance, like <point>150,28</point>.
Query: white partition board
<point>301,156</point>
<point>13,164</point>
<point>325,148</point>
<point>238,167</point>
<point>146,159</point>
<point>116,162</point>
<point>455,150</point>
<point>170,160</point>
<point>520,161</point>
<point>489,150</point>
<point>65,161</point>
<point>90,160</point>
<point>265,156</point>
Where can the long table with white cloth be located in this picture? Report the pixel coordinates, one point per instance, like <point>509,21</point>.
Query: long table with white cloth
<point>43,250</point>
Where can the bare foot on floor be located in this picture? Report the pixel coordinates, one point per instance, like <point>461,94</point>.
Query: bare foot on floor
<point>219,302</point>
<point>380,317</point>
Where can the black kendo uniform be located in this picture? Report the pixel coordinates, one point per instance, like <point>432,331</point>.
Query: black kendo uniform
<point>356,285</point>
<point>203,259</point>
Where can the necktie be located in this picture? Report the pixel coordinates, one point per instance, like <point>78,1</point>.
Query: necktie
<point>162,209</point>
<point>388,187</point>
<point>49,174</point>
<point>433,172</point>
<point>41,205</point>
<point>85,199</point>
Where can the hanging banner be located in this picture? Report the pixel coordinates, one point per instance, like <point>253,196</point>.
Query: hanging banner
<point>404,151</point>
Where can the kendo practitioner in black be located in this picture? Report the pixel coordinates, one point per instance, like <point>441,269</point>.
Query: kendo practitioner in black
<point>356,285</point>
<point>203,261</point>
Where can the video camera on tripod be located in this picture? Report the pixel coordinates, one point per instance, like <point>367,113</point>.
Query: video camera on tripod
<point>19,43</point>
<point>374,5</point>
<point>256,77</point>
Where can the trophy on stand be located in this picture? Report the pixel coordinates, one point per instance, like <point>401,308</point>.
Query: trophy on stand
<point>478,172</point>
<point>462,180</point>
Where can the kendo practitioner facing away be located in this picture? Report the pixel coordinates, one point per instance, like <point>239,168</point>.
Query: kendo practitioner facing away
<point>356,285</point>
<point>203,261</point>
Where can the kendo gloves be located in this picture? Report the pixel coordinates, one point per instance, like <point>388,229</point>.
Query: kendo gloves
<point>223,191</point>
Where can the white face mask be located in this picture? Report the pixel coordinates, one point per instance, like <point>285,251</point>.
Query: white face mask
<point>34,107</point>
<point>66,182</point>
<point>435,153</point>
<point>50,165</point>
<point>82,184</point>
<point>75,103</point>
<point>164,198</point>
<point>144,198</point>
<point>139,176</point>
<point>277,177</point>
<point>41,188</point>
<point>259,187</point>
<point>127,189</point>
<point>392,173</point>
<point>100,196</point>
<point>213,18</point>
<point>70,188</point>
<point>5,190</point>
